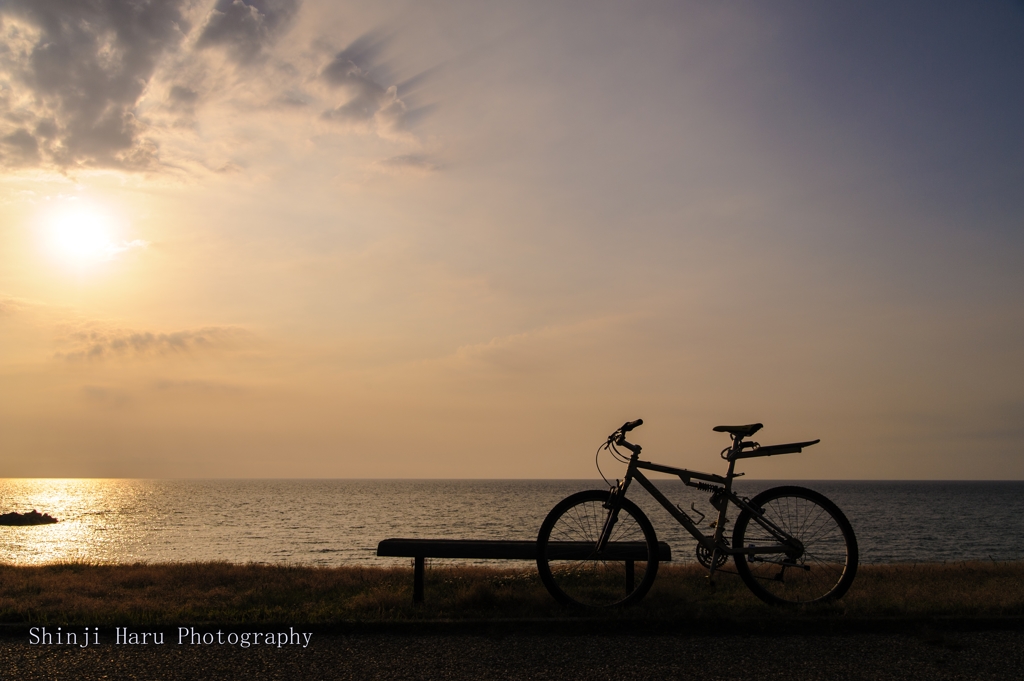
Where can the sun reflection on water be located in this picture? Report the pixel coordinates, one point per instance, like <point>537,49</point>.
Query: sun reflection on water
<point>84,508</point>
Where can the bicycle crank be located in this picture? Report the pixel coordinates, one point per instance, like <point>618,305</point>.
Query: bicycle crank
<point>704,557</point>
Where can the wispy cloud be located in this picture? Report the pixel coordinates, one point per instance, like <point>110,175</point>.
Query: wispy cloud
<point>198,386</point>
<point>247,28</point>
<point>8,305</point>
<point>415,163</point>
<point>545,349</point>
<point>96,344</point>
<point>373,100</point>
<point>106,396</point>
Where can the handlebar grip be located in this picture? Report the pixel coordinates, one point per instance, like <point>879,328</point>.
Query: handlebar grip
<point>630,425</point>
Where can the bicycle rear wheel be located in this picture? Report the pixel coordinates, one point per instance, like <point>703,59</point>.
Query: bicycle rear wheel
<point>570,566</point>
<point>825,568</point>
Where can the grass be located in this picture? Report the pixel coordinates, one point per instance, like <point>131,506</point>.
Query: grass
<point>224,593</point>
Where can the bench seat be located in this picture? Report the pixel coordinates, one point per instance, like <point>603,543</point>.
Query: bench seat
<point>507,550</point>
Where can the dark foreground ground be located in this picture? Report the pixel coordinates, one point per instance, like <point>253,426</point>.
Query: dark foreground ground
<point>510,654</point>
<point>931,622</point>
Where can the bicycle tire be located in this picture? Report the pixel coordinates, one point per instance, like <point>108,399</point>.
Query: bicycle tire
<point>593,581</point>
<point>824,570</point>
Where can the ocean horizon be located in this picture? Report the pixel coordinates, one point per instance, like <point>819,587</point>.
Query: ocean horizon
<point>335,522</point>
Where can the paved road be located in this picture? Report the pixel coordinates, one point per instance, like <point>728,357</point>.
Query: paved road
<point>935,657</point>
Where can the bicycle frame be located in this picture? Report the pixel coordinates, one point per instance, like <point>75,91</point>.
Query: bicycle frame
<point>718,486</point>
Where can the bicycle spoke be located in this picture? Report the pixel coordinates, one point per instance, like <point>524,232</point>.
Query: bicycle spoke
<point>824,567</point>
<point>594,581</point>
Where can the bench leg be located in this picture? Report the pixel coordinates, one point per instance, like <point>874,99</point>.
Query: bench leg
<point>417,581</point>
<point>630,580</point>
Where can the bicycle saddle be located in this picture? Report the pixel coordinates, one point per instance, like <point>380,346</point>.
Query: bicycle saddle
<point>739,431</point>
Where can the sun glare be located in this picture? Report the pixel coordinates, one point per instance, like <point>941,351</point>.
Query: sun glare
<point>83,235</point>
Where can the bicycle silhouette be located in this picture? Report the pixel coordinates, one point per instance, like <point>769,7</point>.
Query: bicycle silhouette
<point>791,545</point>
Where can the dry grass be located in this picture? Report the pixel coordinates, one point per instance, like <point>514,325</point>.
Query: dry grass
<point>976,589</point>
<point>197,593</point>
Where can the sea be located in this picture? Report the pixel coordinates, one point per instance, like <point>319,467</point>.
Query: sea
<point>340,522</point>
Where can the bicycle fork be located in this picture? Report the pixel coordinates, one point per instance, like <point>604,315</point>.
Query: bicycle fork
<point>613,505</point>
<point>613,517</point>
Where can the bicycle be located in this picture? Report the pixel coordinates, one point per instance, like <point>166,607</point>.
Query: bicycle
<point>790,545</point>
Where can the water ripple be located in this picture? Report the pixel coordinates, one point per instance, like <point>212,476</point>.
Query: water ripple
<point>339,522</point>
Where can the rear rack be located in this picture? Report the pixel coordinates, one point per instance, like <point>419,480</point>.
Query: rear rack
<point>772,450</point>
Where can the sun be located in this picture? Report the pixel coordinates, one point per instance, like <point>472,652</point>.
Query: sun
<point>82,235</point>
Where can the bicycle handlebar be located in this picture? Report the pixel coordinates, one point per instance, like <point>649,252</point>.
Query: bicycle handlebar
<point>620,432</point>
<point>619,436</point>
<point>630,425</point>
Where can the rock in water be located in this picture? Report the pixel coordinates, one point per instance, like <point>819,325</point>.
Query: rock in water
<point>33,517</point>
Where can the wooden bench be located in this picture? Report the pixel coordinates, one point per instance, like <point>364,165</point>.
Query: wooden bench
<point>420,549</point>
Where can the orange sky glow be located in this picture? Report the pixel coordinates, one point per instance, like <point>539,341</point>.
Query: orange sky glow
<point>469,239</point>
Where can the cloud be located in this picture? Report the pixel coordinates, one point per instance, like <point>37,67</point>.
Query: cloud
<point>550,349</point>
<point>96,344</point>
<point>417,163</point>
<point>20,146</point>
<point>198,386</point>
<point>72,73</point>
<point>373,99</point>
<point>8,306</point>
<point>124,84</point>
<point>292,99</point>
<point>519,354</point>
<point>113,249</point>
<point>108,397</point>
<point>181,98</point>
<point>247,27</point>
<point>358,65</point>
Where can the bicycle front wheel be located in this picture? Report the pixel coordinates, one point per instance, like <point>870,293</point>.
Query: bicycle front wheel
<point>572,569</point>
<point>825,567</point>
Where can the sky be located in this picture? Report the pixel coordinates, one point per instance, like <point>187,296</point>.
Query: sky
<point>468,239</point>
